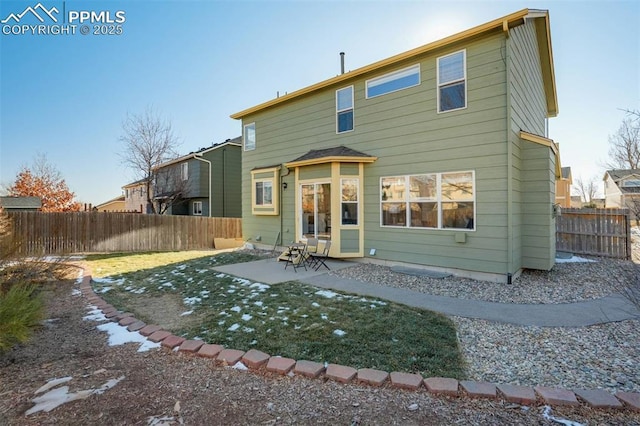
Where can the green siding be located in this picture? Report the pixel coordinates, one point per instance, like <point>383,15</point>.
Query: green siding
<point>315,172</point>
<point>226,198</point>
<point>349,169</point>
<point>349,241</point>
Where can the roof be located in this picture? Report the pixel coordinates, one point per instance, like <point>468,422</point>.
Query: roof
<point>237,141</point>
<point>21,202</point>
<point>618,174</point>
<point>113,200</point>
<point>339,153</point>
<point>136,183</point>
<point>504,23</point>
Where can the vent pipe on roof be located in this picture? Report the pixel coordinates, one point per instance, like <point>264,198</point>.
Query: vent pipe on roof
<point>341,62</point>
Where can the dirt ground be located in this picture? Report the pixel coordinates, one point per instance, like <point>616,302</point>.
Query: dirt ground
<point>162,388</point>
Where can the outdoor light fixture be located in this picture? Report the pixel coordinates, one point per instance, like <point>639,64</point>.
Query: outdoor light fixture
<point>284,185</point>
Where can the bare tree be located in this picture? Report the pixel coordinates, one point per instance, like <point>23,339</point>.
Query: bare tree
<point>624,146</point>
<point>148,142</point>
<point>587,189</point>
<point>170,187</point>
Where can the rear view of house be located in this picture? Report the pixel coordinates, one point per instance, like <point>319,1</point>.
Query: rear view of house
<point>438,156</point>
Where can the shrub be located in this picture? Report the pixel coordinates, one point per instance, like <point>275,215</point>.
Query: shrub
<point>21,308</point>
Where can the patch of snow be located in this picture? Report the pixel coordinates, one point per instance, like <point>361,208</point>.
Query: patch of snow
<point>108,280</point>
<point>260,286</point>
<point>547,415</point>
<point>95,314</point>
<point>234,327</point>
<point>574,259</point>
<point>220,275</point>
<point>326,293</point>
<point>324,316</point>
<point>190,301</point>
<point>160,421</point>
<point>236,309</point>
<point>339,332</point>
<point>184,314</point>
<point>76,292</point>
<point>258,303</point>
<point>248,329</point>
<point>52,384</point>
<point>246,317</point>
<point>119,335</point>
<point>315,304</point>
<point>104,289</point>
<point>240,366</point>
<point>56,397</point>
<point>242,281</point>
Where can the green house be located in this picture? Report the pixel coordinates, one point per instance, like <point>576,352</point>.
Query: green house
<point>202,183</point>
<point>437,157</point>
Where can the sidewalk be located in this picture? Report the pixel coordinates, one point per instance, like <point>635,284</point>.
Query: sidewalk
<point>597,311</point>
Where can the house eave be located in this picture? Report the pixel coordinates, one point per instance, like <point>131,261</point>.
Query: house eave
<point>541,140</point>
<point>330,159</point>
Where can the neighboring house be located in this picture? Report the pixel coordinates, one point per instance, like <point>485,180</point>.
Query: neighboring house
<point>135,197</point>
<point>576,201</point>
<point>13,204</point>
<point>438,156</point>
<point>203,183</point>
<point>622,189</point>
<point>563,188</point>
<point>114,205</point>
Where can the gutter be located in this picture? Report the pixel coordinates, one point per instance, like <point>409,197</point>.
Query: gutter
<point>507,47</point>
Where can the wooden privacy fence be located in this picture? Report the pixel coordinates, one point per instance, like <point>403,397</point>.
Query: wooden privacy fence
<point>82,232</point>
<point>598,232</point>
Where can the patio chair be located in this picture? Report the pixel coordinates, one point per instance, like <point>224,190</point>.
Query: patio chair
<point>296,256</point>
<point>312,248</point>
<point>318,259</point>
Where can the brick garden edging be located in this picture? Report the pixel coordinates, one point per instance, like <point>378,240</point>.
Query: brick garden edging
<point>256,360</point>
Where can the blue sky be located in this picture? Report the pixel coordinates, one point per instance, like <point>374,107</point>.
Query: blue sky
<point>197,62</point>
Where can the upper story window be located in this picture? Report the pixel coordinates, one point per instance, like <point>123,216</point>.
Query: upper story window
<point>249,137</point>
<point>631,182</point>
<point>394,81</point>
<point>344,109</point>
<point>452,81</point>
<point>185,171</point>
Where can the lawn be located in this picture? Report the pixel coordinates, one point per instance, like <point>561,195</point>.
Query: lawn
<point>289,319</point>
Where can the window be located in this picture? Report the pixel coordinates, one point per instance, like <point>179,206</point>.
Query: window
<point>185,171</point>
<point>344,109</point>
<point>436,200</point>
<point>394,81</point>
<point>349,209</point>
<point>197,208</point>
<point>249,138</point>
<point>631,182</point>
<point>264,193</point>
<point>452,87</point>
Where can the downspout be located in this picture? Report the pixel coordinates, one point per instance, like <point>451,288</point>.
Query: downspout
<point>507,48</point>
<point>199,157</point>
<point>281,202</point>
<point>224,161</point>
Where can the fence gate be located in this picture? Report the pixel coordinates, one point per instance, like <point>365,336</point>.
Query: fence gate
<point>596,232</point>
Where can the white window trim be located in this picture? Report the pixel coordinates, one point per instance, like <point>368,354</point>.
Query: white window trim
<point>196,203</point>
<point>353,110</point>
<point>438,200</point>
<point>388,76</point>
<point>244,137</point>
<point>357,202</point>
<point>464,78</point>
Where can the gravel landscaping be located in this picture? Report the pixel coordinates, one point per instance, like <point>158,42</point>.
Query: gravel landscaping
<point>603,356</point>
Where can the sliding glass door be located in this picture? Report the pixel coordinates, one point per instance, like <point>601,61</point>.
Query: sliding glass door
<point>316,210</point>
